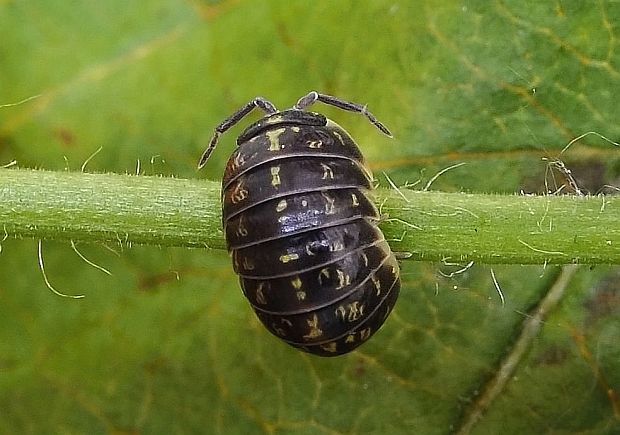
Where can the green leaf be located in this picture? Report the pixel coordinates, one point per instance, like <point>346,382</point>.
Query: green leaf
<point>167,344</point>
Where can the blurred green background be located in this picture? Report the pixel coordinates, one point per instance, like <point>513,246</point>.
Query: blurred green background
<point>168,344</point>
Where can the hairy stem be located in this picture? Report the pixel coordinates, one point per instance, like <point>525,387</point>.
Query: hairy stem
<point>433,226</point>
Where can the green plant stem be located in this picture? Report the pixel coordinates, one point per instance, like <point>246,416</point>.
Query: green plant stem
<point>432,226</point>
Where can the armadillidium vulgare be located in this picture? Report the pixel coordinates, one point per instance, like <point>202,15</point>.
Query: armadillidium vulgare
<point>302,230</point>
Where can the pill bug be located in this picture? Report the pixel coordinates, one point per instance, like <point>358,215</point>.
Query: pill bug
<point>302,230</point>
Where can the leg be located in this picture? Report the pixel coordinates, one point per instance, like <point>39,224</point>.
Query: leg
<point>259,102</point>
<point>312,97</point>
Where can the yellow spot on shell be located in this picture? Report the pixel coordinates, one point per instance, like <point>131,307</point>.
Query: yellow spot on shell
<point>314,331</point>
<point>247,264</point>
<point>336,246</point>
<point>274,139</point>
<point>365,333</point>
<point>365,257</point>
<point>296,283</point>
<point>239,193</point>
<point>377,284</point>
<point>343,279</point>
<point>281,332</point>
<point>323,273</point>
<point>281,206</point>
<point>314,144</point>
<point>275,176</point>
<point>328,173</point>
<point>341,312</point>
<point>301,295</point>
<point>350,312</point>
<point>288,257</point>
<point>330,347</point>
<point>238,160</point>
<point>260,297</point>
<point>338,136</point>
<point>274,119</point>
<point>350,338</point>
<point>330,207</point>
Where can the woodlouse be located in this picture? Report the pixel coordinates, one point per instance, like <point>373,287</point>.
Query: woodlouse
<point>302,229</point>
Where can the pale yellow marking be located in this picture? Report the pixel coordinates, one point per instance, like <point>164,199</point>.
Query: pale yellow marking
<point>242,231</point>
<point>274,119</point>
<point>350,312</point>
<point>330,347</point>
<point>260,296</point>
<point>365,257</point>
<point>338,136</point>
<point>323,273</point>
<point>274,139</point>
<point>301,295</point>
<point>239,160</point>
<point>336,246</point>
<point>343,279</point>
<point>239,193</point>
<point>328,172</point>
<point>314,144</point>
<point>247,264</point>
<point>350,338</point>
<point>394,270</point>
<point>281,205</point>
<point>341,312</point>
<point>304,203</point>
<point>315,331</point>
<point>365,333</point>
<point>281,332</point>
<point>288,257</point>
<point>295,129</point>
<point>377,284</point>
<point>275,176</point>
<point>355,311</point>
<point>330,208</point>
<point>296,283</point>
<point>354,200</point>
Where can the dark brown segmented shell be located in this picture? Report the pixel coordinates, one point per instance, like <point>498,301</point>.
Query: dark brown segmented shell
<point>303,233</point>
